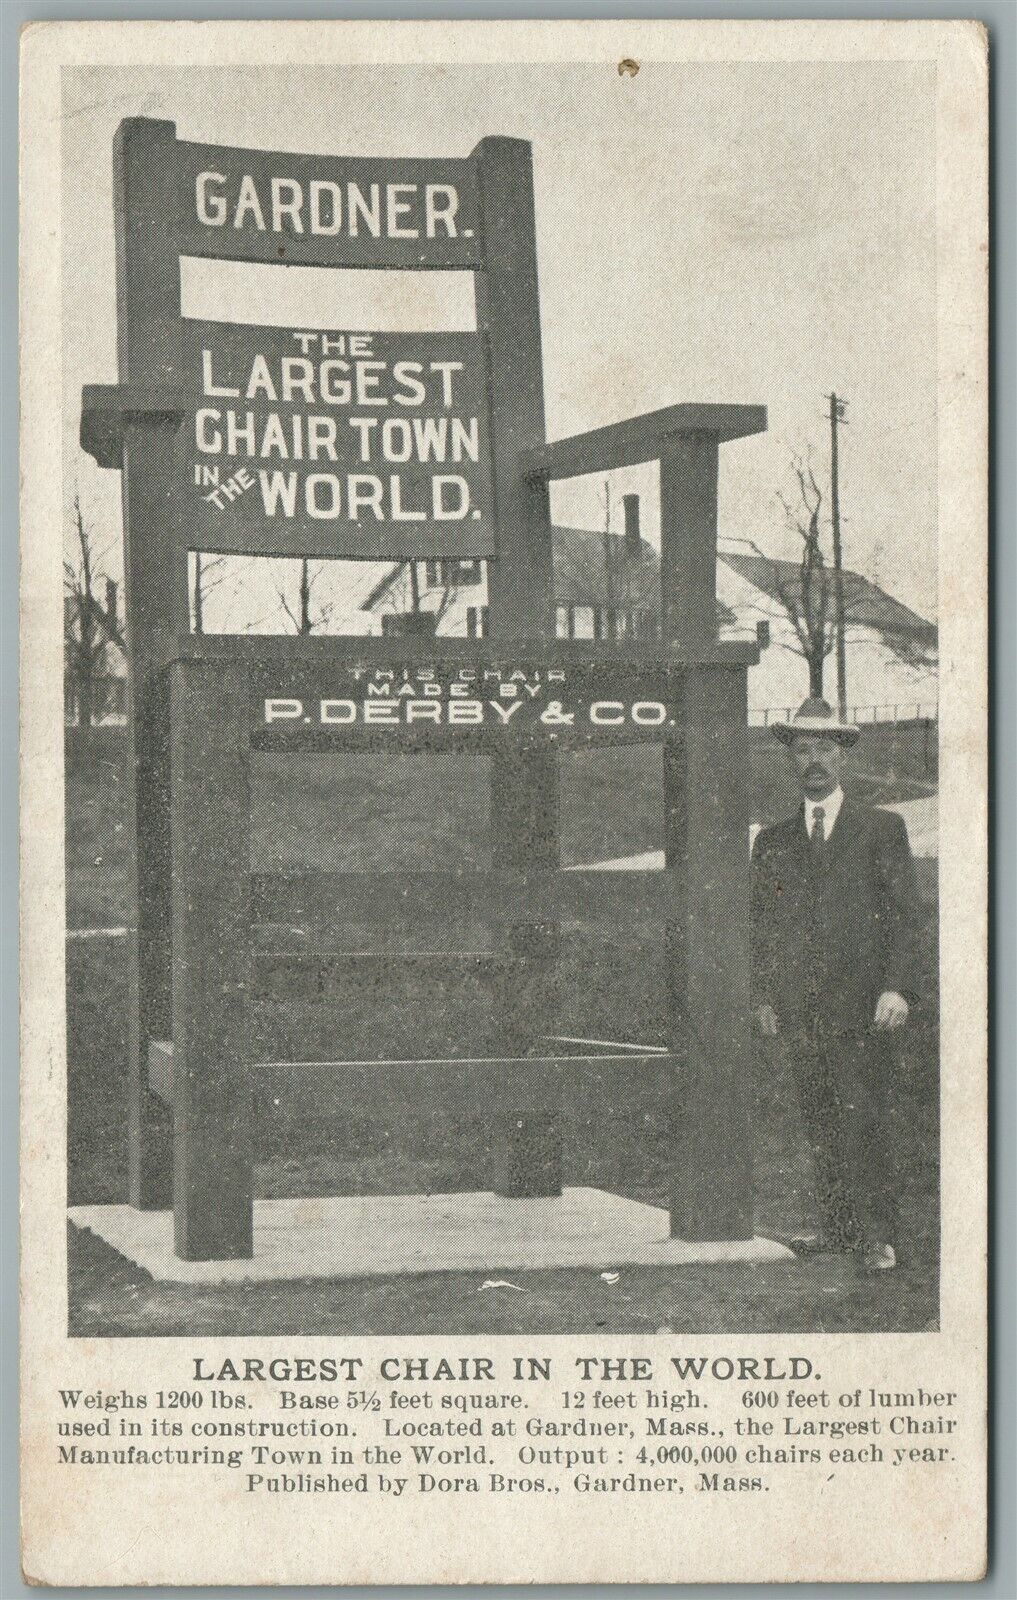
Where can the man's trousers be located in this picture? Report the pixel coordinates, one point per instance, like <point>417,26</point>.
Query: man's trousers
<point>846,1086</point>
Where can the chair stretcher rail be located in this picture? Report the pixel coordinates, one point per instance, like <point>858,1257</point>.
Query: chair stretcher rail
<point>483,1086</point>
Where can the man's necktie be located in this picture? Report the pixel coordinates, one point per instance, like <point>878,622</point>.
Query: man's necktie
<point>818,830</point>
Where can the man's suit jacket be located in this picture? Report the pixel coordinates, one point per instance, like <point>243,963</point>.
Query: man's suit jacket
<point>832,931</point>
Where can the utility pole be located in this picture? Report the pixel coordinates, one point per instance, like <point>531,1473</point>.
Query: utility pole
<point>837,416</point>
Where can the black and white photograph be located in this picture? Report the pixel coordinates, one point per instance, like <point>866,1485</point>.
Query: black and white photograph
<point>484,976</point>
<point>502,520</point>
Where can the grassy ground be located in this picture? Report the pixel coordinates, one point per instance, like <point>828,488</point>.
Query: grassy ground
<point>385,813</point>
<point>616,1137</point>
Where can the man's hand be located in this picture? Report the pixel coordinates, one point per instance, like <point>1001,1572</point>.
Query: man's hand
<point>766,1017</point>
<point>891,1012</point>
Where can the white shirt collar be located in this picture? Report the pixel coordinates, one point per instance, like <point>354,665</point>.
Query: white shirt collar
<point>830,805</point>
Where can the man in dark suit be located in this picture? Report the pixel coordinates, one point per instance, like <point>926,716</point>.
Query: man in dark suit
<point>834,918</point>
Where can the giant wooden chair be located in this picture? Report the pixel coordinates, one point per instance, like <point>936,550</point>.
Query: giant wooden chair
<point>196,711</point>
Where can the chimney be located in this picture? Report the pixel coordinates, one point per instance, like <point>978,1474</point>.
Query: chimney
<point>633,544</point>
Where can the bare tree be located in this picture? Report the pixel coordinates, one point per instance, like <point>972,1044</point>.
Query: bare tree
<point>91,626</point>
<point>306,617</point>
<point>448,591</point>
<point>414,575</point>
<point>407,600</point>
<point>808,599</point>
<point>207,574</point>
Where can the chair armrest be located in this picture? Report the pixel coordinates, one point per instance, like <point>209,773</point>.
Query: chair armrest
<point>107,408</point>
<point>639,439</point>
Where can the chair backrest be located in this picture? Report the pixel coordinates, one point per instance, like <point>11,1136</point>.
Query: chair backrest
<point>281,441</point>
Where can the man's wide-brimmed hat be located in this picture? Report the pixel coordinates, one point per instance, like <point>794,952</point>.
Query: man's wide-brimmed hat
<point>815,716</point>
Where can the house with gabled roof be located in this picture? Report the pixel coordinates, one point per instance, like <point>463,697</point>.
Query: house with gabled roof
<point>892,653</point>
<point>607,586</point>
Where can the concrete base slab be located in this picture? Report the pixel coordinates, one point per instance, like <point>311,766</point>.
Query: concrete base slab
<point>370,1235</point>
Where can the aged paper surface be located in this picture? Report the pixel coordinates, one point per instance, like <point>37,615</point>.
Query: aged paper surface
<point>603,1230</point>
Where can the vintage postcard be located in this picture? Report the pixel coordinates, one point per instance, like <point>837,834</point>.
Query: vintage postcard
<point>504,802</point>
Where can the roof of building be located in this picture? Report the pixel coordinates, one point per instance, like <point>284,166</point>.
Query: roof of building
<point>381,588</point>
<point>865,605</point>
<point>630,581</point>
<point>590,569</point>
<point>598,569</point>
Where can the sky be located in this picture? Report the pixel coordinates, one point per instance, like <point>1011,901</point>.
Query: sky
<point>749,233</point>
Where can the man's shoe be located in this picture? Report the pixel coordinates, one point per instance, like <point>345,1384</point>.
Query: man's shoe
<point>879,1258</point>
<point>811,1245</point>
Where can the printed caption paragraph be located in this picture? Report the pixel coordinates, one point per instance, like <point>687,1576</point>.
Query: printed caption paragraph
<point>523,1424</point>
